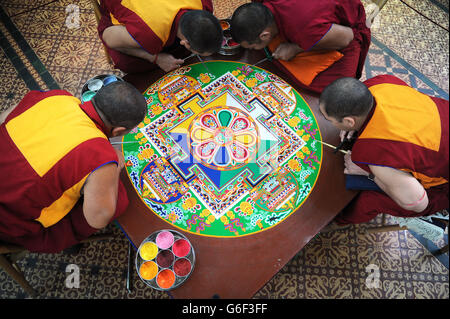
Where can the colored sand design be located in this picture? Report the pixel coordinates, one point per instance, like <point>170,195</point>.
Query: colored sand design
<point>226,152</point>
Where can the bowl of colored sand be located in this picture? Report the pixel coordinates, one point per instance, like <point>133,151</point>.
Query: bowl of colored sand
<point>182,267</point>
<point>165,279</point>
<point>165,259</point>
<point>164,239</point>
<point>181,247</point>
<point>148,251</point>
<point>110,79</point>
<point>94,84</point>
<point>229,46</point>
<point>225,24</point>
<point>148,270</point>
<point>87,96</point>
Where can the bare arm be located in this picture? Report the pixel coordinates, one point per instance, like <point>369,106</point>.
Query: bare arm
<point>402,187</point>
<point>100,195</point>
<point>117,38</point>
<point>338,37</point>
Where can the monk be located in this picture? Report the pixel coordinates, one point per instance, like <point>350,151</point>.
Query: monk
<point>59,172</point>
<point>402,145</point>
<point>329,37</point>
<point>140,34</point>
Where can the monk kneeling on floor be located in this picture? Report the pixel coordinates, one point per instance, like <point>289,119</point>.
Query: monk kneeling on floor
<point>59,173</point>
<point>402,145</point>
<point>314,42</point>
<point>140,35</point>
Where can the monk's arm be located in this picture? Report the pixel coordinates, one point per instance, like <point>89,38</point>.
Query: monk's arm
<point>338,37</point>
<point>100,195</point>
<point>117,38</point>
<point>401,187</point>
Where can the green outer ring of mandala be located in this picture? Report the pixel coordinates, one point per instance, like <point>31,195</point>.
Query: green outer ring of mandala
<point>231,203</point>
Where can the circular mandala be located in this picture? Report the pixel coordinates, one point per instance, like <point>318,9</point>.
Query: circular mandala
<point>226,151</point>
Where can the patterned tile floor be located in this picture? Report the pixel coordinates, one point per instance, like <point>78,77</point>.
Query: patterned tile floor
<point>410,40</point>
<point>414,46</point>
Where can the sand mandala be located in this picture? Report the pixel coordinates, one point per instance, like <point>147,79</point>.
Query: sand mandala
<point>226,149</point>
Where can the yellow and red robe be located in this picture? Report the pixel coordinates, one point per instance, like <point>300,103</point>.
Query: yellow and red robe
<point>406,130</point>
<point>50,144</point>
<point>152,24</point>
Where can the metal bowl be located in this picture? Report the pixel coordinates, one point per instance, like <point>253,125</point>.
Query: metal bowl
<point>229,47</point>
<point>91,87</point>
<point>178,279</point>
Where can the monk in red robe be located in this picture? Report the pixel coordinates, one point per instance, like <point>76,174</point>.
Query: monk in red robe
<point>59,172</point>
<point>141,34</point>
<point>402,145</point>
<point>317,41</point>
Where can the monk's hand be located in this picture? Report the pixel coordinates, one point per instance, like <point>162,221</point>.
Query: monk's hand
<point>351,168</point>
<point>286,51</point>
<point>168,62</point>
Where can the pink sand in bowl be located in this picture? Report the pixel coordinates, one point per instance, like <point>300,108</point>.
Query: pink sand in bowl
<point>164,240</point>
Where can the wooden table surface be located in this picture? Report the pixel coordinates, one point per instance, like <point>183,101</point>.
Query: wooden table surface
<point>239,267</point>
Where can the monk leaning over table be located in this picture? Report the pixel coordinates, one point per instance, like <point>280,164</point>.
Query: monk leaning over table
<point>315,42</point>
<point>402,145</point>
<point>59,173</point>
<point>140,34</point>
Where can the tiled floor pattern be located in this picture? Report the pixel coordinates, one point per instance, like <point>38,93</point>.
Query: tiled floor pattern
<point>39,51</point>
<point>421,44</point>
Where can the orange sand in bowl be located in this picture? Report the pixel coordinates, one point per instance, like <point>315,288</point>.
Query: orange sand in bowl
<point>225,25</point>
<point>148,270</point>
<point>166,278</point>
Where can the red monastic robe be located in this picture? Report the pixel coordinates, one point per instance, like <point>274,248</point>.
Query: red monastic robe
<point>49,145</point>
<point>153,25</point>
<point>406,130</point>
<point>307,22</point>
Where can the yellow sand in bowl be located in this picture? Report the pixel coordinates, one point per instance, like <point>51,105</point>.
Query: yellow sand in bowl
<point>148,251</point>
<point>148,270</point>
